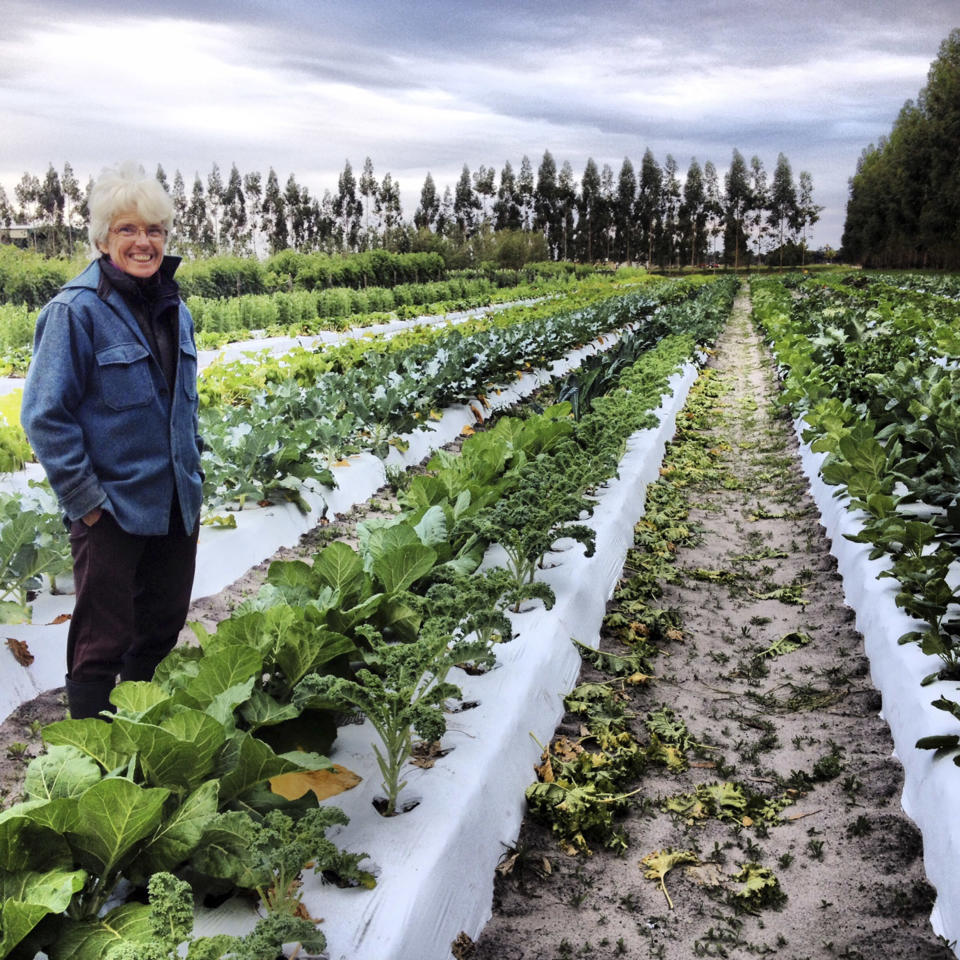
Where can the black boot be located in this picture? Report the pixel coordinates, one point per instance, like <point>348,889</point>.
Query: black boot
<point>86,698</point>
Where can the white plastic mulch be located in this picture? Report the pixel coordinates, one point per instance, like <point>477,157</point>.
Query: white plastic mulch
<point>225,554</point>
<point>436,863</point>
<point>931,792</point>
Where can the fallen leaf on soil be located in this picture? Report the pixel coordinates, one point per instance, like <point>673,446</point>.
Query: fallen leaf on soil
<point>661,862</point>
<point>21,652</point>
<point>425,755</point>
<point>341,463</point>
<point>324,783</point>
<point>705,874</point>
<point>467,430</point>
<point>545,771</point>
<point>703,764</point>
<point>65,617</point>
<point>477,415</point>
<point>463,948</point>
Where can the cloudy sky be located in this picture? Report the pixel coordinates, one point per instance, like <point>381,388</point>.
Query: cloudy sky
<point>303,85</point>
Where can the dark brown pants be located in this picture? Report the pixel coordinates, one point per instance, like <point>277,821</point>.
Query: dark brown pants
<point>132,595</point>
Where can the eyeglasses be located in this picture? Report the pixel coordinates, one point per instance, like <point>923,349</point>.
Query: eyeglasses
<point>130,231</point>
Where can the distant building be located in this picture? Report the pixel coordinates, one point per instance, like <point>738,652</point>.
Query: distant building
<point>23,236</point>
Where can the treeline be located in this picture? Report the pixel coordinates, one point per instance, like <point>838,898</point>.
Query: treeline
<point>904,205</point>
<point>654,215</point>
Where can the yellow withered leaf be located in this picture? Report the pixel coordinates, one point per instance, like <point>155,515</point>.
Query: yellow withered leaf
<point>467,430</point>
<point>324,783</point>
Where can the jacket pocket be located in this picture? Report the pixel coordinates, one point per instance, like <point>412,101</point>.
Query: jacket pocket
<point>188,368</point>
<point>125,377</point>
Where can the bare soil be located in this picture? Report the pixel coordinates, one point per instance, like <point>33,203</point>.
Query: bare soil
<point>847,859</point>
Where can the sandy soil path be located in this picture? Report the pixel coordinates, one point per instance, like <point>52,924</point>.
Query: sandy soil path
<point>802,725</point>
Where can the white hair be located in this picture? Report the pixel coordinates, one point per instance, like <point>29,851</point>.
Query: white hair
<point>126,189</point>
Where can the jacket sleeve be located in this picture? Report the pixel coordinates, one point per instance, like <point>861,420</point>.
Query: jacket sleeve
<point>63,360</point>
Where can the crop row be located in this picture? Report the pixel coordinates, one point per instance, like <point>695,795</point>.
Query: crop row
<point>274,426</point>
<point>878,390</point>
<point>179,779</point>
<point>297,312</point>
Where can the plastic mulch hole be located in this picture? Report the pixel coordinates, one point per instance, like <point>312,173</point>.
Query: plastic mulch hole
<point>380,805</point>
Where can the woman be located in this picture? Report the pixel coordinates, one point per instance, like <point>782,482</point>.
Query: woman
<point>110,409</point>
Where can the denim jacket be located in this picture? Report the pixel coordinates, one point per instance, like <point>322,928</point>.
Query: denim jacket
<point>100,417</point>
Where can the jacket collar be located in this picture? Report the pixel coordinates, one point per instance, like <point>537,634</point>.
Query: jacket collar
<point>91,277</point>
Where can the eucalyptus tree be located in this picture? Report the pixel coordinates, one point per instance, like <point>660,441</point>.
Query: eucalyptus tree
<point>253,193</point>
<point>178,194</point>
<point>235,233</point>
<point>525,192</point>
<point>466,206</point>
<point>669,213</point>
<point>589,203</point>
<point>273,218</point>
<point>507,214</point>
<point>566,209</point>
<point>783,203</point>
<point>425,216</point>
<point>624,211</point>
<point>759,203</point>
<point>484,185</point>
<point>391,212</point>
<point>736,204</point>
<point>369,189</point>
<point>714,204</point>
<point>605,213</point>
<point>73,201</point>
<point>214,203</point>
<point>6,209</point>
<point>648,203</point>
<point>545,206</point>
<point>297,204</point>
<point>693,214</point>
<point>27,192</point>
<point>808,211</point>
<point>446,221</point>
<point>348,208</point>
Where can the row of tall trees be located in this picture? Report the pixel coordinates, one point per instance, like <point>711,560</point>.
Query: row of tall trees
<point>904,203</point>
<point>652,215</point>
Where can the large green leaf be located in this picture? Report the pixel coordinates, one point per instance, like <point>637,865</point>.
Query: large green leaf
<point>137,698</point>
<point>401,567</point>
<point>346,619</point>
<point>224,705</point>
<point>262,710</point>
<point>247,761</point>
<point>100,939</point>
<point>62,771</point>
<point>220,670</point>
<point>27,897</point>
<point>306,650</point>
<point>432,528</point>
<point>113,816</point>
<point>179,834</point>
<point>178,752</point>
<point>225,852</point>
<point>91,736</point>
<point>340,567</point>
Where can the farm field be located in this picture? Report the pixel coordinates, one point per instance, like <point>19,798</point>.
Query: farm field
<point>772,797</point>
<point>770,707</point>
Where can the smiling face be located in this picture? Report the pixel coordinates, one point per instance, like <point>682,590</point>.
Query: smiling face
<point>135,247</point>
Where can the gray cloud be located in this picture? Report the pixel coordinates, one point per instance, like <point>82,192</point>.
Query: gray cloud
<point>481,82</point>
